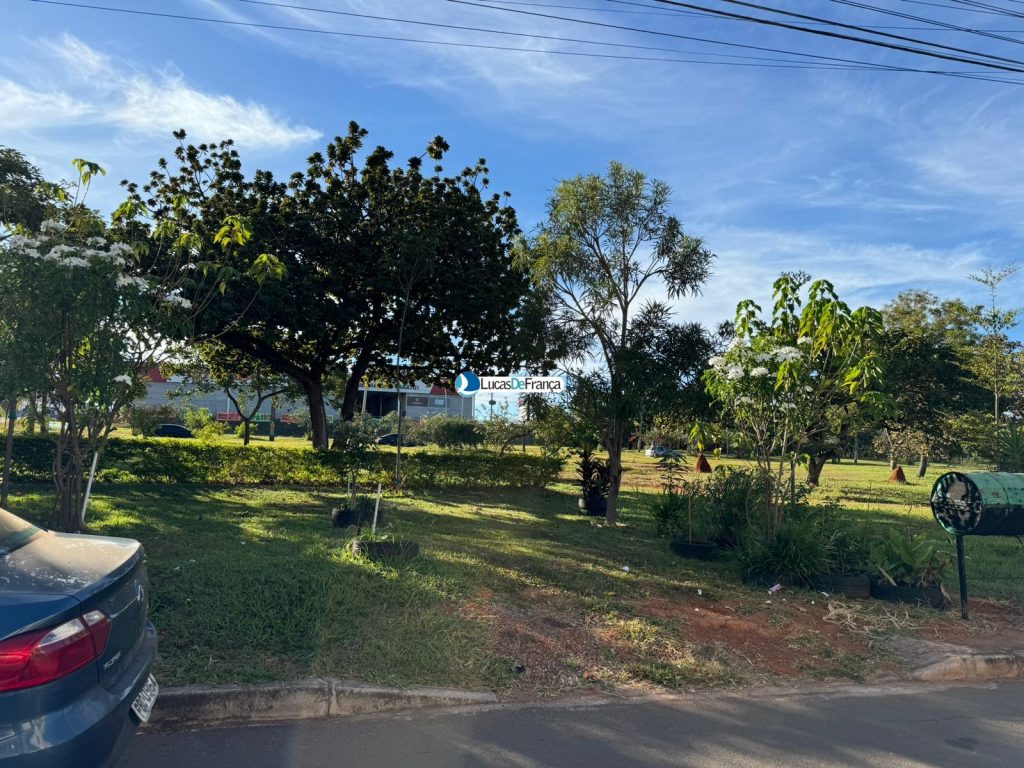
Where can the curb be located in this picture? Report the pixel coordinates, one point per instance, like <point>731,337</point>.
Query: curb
<point>941,662</point>
<point>203,705</point>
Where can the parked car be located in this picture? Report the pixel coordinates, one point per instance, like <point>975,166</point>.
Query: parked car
<point>76,647</point>
<point>392,439</point>
<point>172,430</point>
<point>658,451</point>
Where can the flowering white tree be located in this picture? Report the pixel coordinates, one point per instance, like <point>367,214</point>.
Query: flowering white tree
<point>93,327</point>
<point>786,382</point>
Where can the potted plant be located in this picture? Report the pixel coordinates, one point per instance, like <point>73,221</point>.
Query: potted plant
<point>848,575</point>
<point>357,511</point>
<point>594,484</point>
<point>910,568</point>
<point>674,513</point>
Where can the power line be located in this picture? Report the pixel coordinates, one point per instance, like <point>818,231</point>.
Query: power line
<point>942,24</point>
<point>853,38</point>
<point>691,37</point>
<point>992,8</point>
<point>530,35</point>
<point>937,25</point>
<point>823,62</point>
<point>446,43</point>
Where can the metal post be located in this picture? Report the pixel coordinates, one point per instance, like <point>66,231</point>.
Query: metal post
<point>961,567</point>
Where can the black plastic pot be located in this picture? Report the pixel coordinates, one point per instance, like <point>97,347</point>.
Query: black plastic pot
<point>593,506</point>
<point>399,550</point>
<point>858,586</point>
<point>343,517</point>
<point>694,550</point>
<point>932,596</point>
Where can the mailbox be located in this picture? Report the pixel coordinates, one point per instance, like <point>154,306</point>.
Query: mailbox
<point>980,503</point>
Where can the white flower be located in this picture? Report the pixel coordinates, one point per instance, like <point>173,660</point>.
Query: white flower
<point>96,242</point>
<point>179,301</point>
<point>787,354</point>
<point>123,379</point>
<point>804,340</point>
<point>788,407</point>
<point>744,401</point>
<point>20,241</point>
<point>51,226</point>
<point>717,361</point>
<point>136,282</point>
<point>764,357</point>
<point>60,250</point>
<point>74,261</point>
<point>120,249</point>
<point>759,372</point>
<point>734,372</point>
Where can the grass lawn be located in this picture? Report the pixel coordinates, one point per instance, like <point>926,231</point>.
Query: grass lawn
<point>512,591</point>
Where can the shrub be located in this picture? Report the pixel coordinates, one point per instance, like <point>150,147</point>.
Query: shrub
<point>203,425</point>
<point>448,431</point>
<point>906,559</point>
<point>794,555</point>
<point>729,500</point>
<point>144,419</point>
<point>191,461</point>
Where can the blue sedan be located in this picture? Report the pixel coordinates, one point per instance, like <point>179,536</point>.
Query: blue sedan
<point>76,647</point>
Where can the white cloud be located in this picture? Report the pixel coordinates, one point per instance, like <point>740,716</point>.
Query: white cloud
<point>154,106</point>
<point>22,107</point>
<point>138,104</point>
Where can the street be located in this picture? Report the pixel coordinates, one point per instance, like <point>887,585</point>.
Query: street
<point>894,726</point>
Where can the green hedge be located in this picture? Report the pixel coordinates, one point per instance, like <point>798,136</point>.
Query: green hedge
<point>188,461</point>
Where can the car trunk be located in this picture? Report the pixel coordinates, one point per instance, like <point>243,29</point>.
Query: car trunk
<point>99,573</point>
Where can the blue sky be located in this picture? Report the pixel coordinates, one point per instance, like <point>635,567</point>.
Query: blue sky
<point>877,180</point>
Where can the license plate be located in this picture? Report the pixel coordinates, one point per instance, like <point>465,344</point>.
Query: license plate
<point>143,704</point>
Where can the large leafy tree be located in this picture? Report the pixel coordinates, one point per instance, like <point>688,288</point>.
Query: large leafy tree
<point>607,242</point>
<point>385,271</point>
<point>924,356</point>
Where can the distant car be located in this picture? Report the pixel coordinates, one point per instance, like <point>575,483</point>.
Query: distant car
<point>661,451</point>
<point>172,430</point>
<point>76,647</point>
<point>392,439</point>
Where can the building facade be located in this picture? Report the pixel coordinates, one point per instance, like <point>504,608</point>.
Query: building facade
<point>418,401</point>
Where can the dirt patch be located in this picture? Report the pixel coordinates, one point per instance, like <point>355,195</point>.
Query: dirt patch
<point>772,638</point>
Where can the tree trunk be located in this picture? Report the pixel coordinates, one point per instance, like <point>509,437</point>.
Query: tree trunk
<point>44,415</point>
<point>314,389</point>
<point>273,420</point>
<point>856,449</point>
<point>614,446</point>
<point>5,484</point>
<point>245,431</point>
<point>922,468</point>
<point>814,467</point>
<point>348,401</point>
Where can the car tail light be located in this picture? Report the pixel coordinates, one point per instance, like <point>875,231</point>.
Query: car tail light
<point>39,657</point>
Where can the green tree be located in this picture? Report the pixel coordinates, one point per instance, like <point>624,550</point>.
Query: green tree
<point>922,373</point>
<point>247,383</point>
<point>794,380</point>
<point>605,240</point>
<point>384,267</point>
<point>997,360</point>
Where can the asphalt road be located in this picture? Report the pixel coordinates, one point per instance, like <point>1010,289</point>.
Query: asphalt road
<point>971,726</point>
